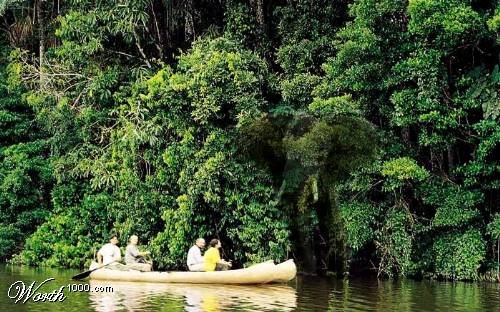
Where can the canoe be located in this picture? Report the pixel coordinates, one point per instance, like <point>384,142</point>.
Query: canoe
<point>262,273</point>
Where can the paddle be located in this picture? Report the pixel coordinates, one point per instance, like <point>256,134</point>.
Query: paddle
<point>87,273</point>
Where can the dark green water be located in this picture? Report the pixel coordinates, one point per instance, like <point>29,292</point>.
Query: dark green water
<point>303,294</point>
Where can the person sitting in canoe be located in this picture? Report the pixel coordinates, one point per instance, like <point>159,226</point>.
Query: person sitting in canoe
<point>195,261</point>
<point>212,259</point>
<point>135,259</point>
<point>109,254</point>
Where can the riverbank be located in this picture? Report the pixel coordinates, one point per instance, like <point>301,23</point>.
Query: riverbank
<point>490,277</point>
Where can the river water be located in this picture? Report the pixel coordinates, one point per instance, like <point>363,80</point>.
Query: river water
<point>302,294</point>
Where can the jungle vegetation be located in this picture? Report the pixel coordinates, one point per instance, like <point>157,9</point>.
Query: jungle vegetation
<point>355,136</point>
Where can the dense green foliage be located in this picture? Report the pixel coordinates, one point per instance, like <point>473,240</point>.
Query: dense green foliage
<point>345,134</point>
<point>25,171</point>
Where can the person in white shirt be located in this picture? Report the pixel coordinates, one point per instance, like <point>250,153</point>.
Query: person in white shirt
<point>194,257</point>
<point>109,252</point>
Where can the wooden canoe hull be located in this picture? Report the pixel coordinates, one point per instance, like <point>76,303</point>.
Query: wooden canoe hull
<point>262,273</point>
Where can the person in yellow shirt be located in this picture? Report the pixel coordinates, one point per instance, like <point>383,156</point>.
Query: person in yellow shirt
<point>212,259</point>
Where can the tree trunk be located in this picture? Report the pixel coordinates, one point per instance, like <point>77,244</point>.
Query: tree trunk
<point>159,21</point>
<point>498,259</point>
<point>41,40</point>
<point>451,159</point>
<point>189,32</point>
<point>405,135</point>
<point>260,13</point>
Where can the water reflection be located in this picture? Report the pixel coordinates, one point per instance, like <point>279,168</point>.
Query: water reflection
<point>193,298</point>
<point>303,294</point>
<point>397,295</point>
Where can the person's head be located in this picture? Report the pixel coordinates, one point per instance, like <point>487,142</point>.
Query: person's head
<point>133,239</point>
<point>113,239</point>
<point>200,242</point>
<point>215,243</point>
